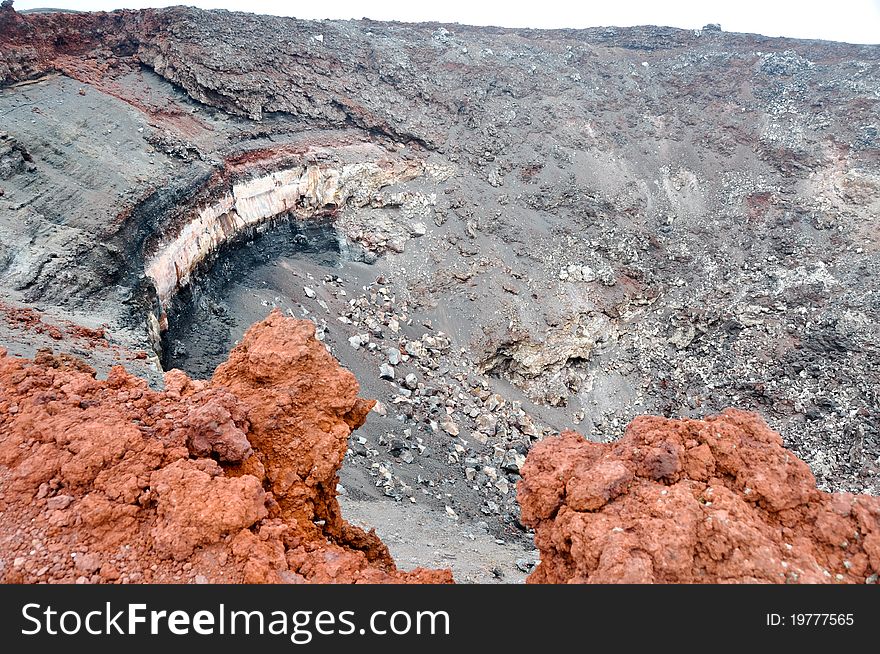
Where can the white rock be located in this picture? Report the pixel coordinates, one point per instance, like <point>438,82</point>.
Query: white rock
<point>487,423</point>
<point>386,371</point>
<point>448,425</point>
<point>513,461</point>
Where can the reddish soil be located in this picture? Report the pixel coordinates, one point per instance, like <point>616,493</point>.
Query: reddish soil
<point>232,480</point>
<point>692,501</point>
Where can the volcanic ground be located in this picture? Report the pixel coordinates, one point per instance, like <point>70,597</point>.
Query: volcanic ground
<point>503,233</point>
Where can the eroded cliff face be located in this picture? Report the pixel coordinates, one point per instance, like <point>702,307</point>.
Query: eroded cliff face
<point>692,501</point>
<point>232,480</point>
<point>301,190</point>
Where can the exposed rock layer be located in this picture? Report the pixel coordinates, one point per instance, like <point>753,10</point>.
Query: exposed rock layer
<point>542,368</point>
<point>232,480</point>
<point>305,191</point>
<point>684,501</point>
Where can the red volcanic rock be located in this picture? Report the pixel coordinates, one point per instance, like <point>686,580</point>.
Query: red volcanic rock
<point>185,495</point>
<point>692,501</point>
<point>293,386</point>
<point>215,426</point>
<point>231,480</point>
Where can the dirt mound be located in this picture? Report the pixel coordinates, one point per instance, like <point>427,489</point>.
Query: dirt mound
<point>681,501</point>
<point>231,480</point>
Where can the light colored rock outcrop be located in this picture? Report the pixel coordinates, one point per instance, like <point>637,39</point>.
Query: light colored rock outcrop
<point>305,191</point>
<point>542,367</point>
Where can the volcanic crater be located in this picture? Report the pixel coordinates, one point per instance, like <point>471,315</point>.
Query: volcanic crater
<point>507,235</point>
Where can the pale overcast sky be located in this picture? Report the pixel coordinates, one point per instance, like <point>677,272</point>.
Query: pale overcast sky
<point>855,21</point>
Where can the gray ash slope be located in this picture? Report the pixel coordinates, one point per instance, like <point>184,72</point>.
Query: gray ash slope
<point>610,221</point>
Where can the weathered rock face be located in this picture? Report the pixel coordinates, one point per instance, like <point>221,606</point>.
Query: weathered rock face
<point>698,203</point>
<point>231,480</point>
<point>692,501</point>
<point>301,190</point>
<point>14,157</point>
<point>610,222</point>
<point>545,369</point>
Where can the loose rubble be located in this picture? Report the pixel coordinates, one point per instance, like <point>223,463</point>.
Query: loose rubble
<point>445,413</point>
